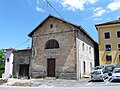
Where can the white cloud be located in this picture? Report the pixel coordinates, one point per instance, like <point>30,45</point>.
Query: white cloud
<point>96,19</point>
<point>99,11</point>
<point>91,1</point>
<point>75,4</point>
<point>115,5</point>
<point>38,2</point>
<point>40,9</point>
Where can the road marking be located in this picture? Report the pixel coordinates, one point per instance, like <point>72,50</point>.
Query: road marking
<point>107,83</point>
<point>89,83</point>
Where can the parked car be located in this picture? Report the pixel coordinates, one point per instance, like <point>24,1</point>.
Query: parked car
<point>99,67</point>
<point>98,75</point>
<point>106,69</point>
<point>115,75</point>
<point>109,68</point>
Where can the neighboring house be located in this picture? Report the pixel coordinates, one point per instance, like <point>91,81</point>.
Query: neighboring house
<point>8,63</point>
<point>21,63</point>
<point>109,42</point>
<point>61,49</point>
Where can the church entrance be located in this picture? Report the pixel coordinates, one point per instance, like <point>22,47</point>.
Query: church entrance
<point>51,67</point>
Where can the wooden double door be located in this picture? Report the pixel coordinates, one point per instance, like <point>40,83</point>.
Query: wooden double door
<point>51,67</point>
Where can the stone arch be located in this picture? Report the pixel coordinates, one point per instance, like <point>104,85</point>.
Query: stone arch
<point>52,44</point>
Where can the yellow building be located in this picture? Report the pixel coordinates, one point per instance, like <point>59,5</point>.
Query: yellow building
<point>109,43</point>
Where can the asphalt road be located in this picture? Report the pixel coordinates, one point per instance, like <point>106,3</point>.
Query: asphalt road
<point>61,88</point>
<point>43,84</point>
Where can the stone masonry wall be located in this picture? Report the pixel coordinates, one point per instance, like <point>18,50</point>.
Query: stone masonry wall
<point>65,56</point>
<point>20,57</point>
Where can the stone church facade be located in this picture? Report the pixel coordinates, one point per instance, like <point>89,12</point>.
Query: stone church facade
<point>61,49</point>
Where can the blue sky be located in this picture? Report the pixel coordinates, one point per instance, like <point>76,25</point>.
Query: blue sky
<point>19,17</point>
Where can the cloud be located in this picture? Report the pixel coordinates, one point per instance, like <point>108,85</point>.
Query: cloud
<point>96,19</point>
<point>39,9</point>
<point>75,4</point>
<point>99,11</point>
<point>91,1</point>
<point>38,2</point>
<point>115,5</point>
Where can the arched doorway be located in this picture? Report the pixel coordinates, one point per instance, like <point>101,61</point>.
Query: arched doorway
<point>51,62</point>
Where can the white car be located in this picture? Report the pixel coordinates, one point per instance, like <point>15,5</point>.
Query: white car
<point>98,75</point>
<point>115,74</point>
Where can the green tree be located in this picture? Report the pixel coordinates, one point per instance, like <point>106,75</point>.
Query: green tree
<point>2,62</point>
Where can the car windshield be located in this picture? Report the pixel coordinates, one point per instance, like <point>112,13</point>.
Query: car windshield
<point>96,72</point>
<point>109,68</point>
<point>99,67</point>
<point>116,71</point>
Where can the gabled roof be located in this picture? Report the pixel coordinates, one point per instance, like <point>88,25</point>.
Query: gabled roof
<point>31,33</point>
<point>110,22</point>
<point>77,26</point>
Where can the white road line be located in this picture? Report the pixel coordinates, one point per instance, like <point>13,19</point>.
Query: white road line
<point>89,83</point>
<point>107,83</point>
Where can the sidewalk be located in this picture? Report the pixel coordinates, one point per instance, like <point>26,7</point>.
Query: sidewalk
<point>46,82</point>
<point>11,81</point>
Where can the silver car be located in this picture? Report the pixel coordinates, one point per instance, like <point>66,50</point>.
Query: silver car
<point>115,75</point>
<point>98,75</point>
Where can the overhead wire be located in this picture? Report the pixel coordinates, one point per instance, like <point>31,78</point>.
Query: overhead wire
<point>54,9</point>
<point>22,43</point>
